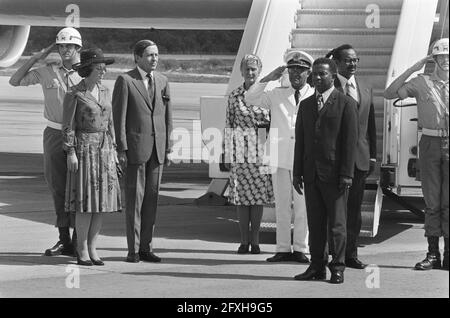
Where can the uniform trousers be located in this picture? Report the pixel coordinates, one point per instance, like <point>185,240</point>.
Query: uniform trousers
<point>142,189</point>
<point>55,170</point>
<point>434,161</point>
<point>288,204</point>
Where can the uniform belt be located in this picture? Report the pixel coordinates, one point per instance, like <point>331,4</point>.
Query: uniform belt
<point>435,132</point>
<point>54,125</point>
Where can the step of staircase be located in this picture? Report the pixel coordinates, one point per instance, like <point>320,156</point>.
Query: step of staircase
<point>369,58</point>
<point>325,24</point>
<point>372,79</point>
<point>361,38</point>
<point>345,18</point>
<point>350,4</point>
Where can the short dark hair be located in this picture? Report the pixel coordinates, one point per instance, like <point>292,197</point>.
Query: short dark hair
<point>86,70</point>
<point>327,61</point>
<point>336,53</point>
<point>140,46</point>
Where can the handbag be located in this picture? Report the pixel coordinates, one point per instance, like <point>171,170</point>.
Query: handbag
<point>119,170</point>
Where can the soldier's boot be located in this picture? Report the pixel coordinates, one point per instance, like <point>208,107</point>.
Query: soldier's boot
<point>445,262</point>
<point>433,258</point>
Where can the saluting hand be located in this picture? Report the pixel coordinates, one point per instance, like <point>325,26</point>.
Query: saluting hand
<point>42,54</point>
<point>274,75</point>
<point>418,66</point>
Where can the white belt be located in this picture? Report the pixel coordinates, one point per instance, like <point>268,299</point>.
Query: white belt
<point>54,125</point>
<point>434,132</point>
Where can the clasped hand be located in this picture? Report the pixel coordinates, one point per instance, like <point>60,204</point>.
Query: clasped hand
<point>344,183</point>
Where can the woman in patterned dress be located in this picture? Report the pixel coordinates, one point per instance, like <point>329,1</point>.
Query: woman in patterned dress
<point>250,186</point>
<point>92,186</point>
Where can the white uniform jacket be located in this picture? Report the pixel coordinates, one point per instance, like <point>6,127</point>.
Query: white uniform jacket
<point>281,102</point>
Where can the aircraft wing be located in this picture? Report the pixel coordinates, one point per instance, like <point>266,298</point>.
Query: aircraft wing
<point>161,14</point>
<point>17,16</point>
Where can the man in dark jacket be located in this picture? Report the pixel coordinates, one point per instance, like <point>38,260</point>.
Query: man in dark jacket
<point>347,61</point>
<point>326,135</point>
<point>143,123</point>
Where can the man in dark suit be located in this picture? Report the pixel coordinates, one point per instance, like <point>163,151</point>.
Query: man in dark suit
<point>143,123</point>
<point>325,141</point>
<point>347,61</point>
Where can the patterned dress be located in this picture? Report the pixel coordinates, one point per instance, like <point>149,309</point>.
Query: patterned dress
<point>250,184</point>
<point>88,132</point>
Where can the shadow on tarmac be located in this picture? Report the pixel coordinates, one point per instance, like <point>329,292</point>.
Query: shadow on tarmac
<point>31,259</point>
<point>227,276</point>
<point>25,195</point>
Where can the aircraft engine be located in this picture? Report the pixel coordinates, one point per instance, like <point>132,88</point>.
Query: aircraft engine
<point>13,39</point>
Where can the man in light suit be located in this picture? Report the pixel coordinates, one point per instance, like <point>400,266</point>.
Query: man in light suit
<point>347,61</point>
<point>326,136</point>
<point>143,123</point>
<point>283,103</point>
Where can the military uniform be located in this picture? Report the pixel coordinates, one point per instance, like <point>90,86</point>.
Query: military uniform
<point>55,81</point>
<point>431,94</point>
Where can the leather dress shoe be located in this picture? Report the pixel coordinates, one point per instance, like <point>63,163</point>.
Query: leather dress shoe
<point>69,250</point>
<point>132,258</point>
<point>337,277</point>
<point>60,249</point>
<point>312,274</point>
<point>300,257</point>
<point>432,261</point>
<point>280,257</point>
<point>445,261</point>
<point>149,257</point>
<point>255,249</point>
<point>84,263</point>
<point>243,249</point>
<point>355,263</point>
<point>97,262</point>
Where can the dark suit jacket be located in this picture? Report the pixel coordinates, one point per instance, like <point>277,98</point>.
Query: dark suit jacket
<point>367,137</point>
<point>140,123</point>
<point>325,142</point>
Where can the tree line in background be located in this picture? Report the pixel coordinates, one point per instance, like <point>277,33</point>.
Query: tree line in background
<point>122,40</point>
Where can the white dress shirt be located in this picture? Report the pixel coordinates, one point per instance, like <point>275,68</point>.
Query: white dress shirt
<point>144,76</point>
<point>326,94</point>
<point>350,81</point>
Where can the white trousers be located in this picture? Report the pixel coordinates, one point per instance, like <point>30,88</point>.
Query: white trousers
<point>289,203</point>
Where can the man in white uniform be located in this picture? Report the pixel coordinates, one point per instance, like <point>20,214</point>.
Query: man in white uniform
<point>283,103</point>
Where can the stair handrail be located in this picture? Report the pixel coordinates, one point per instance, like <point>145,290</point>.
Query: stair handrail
<point>267,34</point>
<point>411,44</point>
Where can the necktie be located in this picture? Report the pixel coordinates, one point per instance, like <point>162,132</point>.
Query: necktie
<point>351,91</point>
<point>151,87</point>
<point>319,102</point>
<point>297,96</point>
<point>67,79</point>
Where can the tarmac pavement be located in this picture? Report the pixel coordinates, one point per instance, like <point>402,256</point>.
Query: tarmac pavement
<point>197,244</point>
<point>198,247</point>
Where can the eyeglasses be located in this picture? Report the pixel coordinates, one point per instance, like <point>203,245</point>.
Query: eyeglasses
<point>350,61</point>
